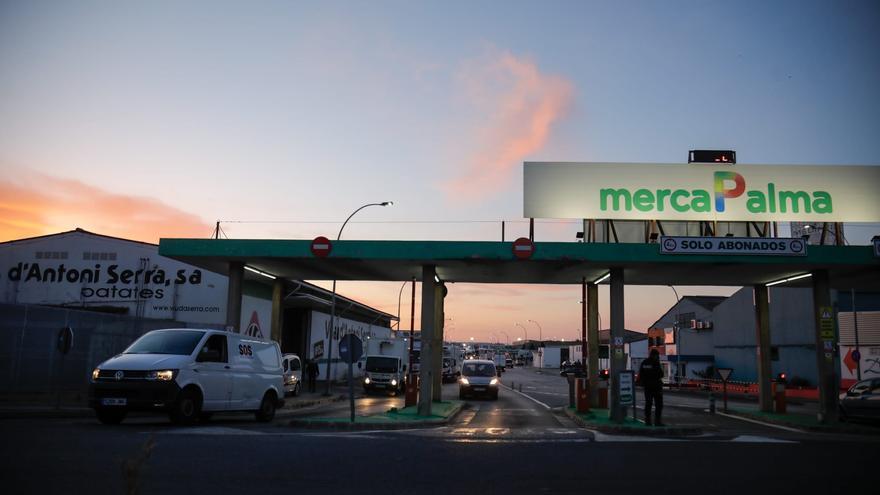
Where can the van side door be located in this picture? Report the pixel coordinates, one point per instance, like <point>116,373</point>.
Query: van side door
<point>213,372</point>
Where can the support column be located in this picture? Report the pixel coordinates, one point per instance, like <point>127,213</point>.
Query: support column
<point>233,296</point>
<point>593,342</point>
<point>826,351</point>
<point>277,309</point>
<point>616,344</point>
<point>437,349</point>
<point>762,340</point>
<point>426,364</point>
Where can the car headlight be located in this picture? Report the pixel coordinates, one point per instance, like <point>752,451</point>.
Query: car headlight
<point>367,380</point>
<point>95,374</point>
<point>493,381</point>
<point>393,382</point>
<point>464,381</point>
<point>162,375</point>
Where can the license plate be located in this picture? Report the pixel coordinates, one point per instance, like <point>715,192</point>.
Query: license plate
<point>479,389</point>
<point>113,402</point>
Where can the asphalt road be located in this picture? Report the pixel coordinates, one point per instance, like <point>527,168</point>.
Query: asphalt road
<point>513,445</point>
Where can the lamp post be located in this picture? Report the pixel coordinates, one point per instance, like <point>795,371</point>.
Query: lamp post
<point>675,335</point>
<point>540,331</point>
<point>526,333</point>
<point>333,300</point>
<point>505,334</point>
<point>399,295</point>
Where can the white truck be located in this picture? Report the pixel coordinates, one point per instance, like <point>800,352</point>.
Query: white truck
<point>386,365</point>
<point>453,355</point>
<point>500,360</point>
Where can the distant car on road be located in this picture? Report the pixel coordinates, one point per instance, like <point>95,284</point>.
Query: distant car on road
<point>291,365</point>
<point>478,377</point>
<point>575,369</point>
<point>862,400</point>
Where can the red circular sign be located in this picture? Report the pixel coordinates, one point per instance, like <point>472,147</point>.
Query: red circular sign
<point>321,246</point>
<point>523,248</point>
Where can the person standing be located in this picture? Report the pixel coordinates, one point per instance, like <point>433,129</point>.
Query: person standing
<point>312,373</point>
<point>651,378</point>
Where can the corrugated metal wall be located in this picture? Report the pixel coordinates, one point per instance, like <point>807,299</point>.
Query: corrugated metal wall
<point>869,328</point>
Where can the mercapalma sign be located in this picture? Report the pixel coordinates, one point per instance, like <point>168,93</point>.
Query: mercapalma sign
<point>644,191</point>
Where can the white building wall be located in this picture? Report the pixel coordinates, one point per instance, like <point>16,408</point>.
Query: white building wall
<point>320,335</point>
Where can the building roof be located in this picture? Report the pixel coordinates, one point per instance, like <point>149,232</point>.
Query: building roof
<point>76,231</point>
<point>706,302</point>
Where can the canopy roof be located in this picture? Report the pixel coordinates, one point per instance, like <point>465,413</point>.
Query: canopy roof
<point>849,267</point>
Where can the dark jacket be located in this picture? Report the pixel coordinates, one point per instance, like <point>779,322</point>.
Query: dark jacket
<point>651,375</point>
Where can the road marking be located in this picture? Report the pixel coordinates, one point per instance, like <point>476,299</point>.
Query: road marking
<point>211,430</point>
<point>750,420</point>
<point>528,397</point>
<point>757,439</point>
<point>604,437</point>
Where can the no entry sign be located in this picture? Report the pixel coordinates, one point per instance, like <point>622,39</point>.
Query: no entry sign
<point>523,248</point>
<point>321,247</point>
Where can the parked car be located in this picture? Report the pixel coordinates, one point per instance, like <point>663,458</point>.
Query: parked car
<point>291,366</point>
<point>189,374</point>
<point>862,400</point>
<point>478,377</point>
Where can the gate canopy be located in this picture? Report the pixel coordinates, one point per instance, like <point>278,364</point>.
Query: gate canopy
<point>849,267</point>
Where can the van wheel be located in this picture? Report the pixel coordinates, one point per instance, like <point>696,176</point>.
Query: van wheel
<point>188,407</point>
<point>266,412</point>
<point>110,416</point>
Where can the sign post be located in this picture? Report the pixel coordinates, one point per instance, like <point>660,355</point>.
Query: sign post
<point>724,373</point>
<point>626,384</point>
<point>351,349</point>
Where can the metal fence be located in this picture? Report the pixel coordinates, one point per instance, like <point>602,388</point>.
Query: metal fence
<point>34,370</point>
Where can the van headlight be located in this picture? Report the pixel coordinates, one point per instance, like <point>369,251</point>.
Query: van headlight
<point>162,375</point>
<point>464,381</point>
<point>95,373</point>
<point>493,381</point>
<point>393,382</point>
<point>367,381</point>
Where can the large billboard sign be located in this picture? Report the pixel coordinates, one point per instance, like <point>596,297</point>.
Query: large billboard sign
<point>701,192</point>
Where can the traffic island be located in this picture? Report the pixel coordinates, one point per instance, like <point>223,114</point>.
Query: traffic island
<point>808,422</point>
<point>599,420</point>
<point>393,419</point>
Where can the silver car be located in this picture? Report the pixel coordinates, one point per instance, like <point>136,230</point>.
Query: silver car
<point>478,377</point>
<point>862,400</point>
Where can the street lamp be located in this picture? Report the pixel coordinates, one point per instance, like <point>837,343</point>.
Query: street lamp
<point>333,300</point>
<point>399,294</point>
<point>675,335</point>
<point>526,333</point>
<point>540,331</point>
<point>505,334</point>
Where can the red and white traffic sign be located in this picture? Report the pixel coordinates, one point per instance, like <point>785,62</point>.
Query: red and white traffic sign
<point>321,247</point>
<point>523,248</point>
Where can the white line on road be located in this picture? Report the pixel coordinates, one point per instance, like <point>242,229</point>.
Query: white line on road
<point>757,439</point>
<point>780,427</point>
<point>528,397</point>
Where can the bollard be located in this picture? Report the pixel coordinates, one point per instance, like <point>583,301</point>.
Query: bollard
<point>603,394</point>
<point>583,395</point>
<point>570,378</point>
<point>711,403</point>
<point>520,387</point>
<point>779,397</point>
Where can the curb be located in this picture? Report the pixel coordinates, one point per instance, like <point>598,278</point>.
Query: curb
<point>845,428</point>
<point>388,425</point>
<point>664,431</point>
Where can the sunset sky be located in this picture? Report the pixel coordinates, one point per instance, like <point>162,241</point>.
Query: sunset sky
<point>156,119</point>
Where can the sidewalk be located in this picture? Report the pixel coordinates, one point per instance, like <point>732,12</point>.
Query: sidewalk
<point>393,419</point>
<point>598,419</point>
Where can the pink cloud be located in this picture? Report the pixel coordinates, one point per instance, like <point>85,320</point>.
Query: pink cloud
<point>522,104</point>
<point>38,204</point>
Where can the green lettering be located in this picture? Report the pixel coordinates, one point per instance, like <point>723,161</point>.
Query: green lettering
<point>701,200</point>
<point>643,200</point>
<point>771,195</point>
<point>792,198</point>
<point>822,202</point>
<point>757,202</point>
<point>662,194</point>
<point>673,200</point>
<point>615,195</point>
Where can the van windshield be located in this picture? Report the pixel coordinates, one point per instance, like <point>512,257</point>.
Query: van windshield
<point>379,364</point>
<point>180,342</point>
<point>478,369</point>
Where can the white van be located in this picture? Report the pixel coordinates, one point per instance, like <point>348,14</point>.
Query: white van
<point>291,365</point>
<point>189,374</point>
